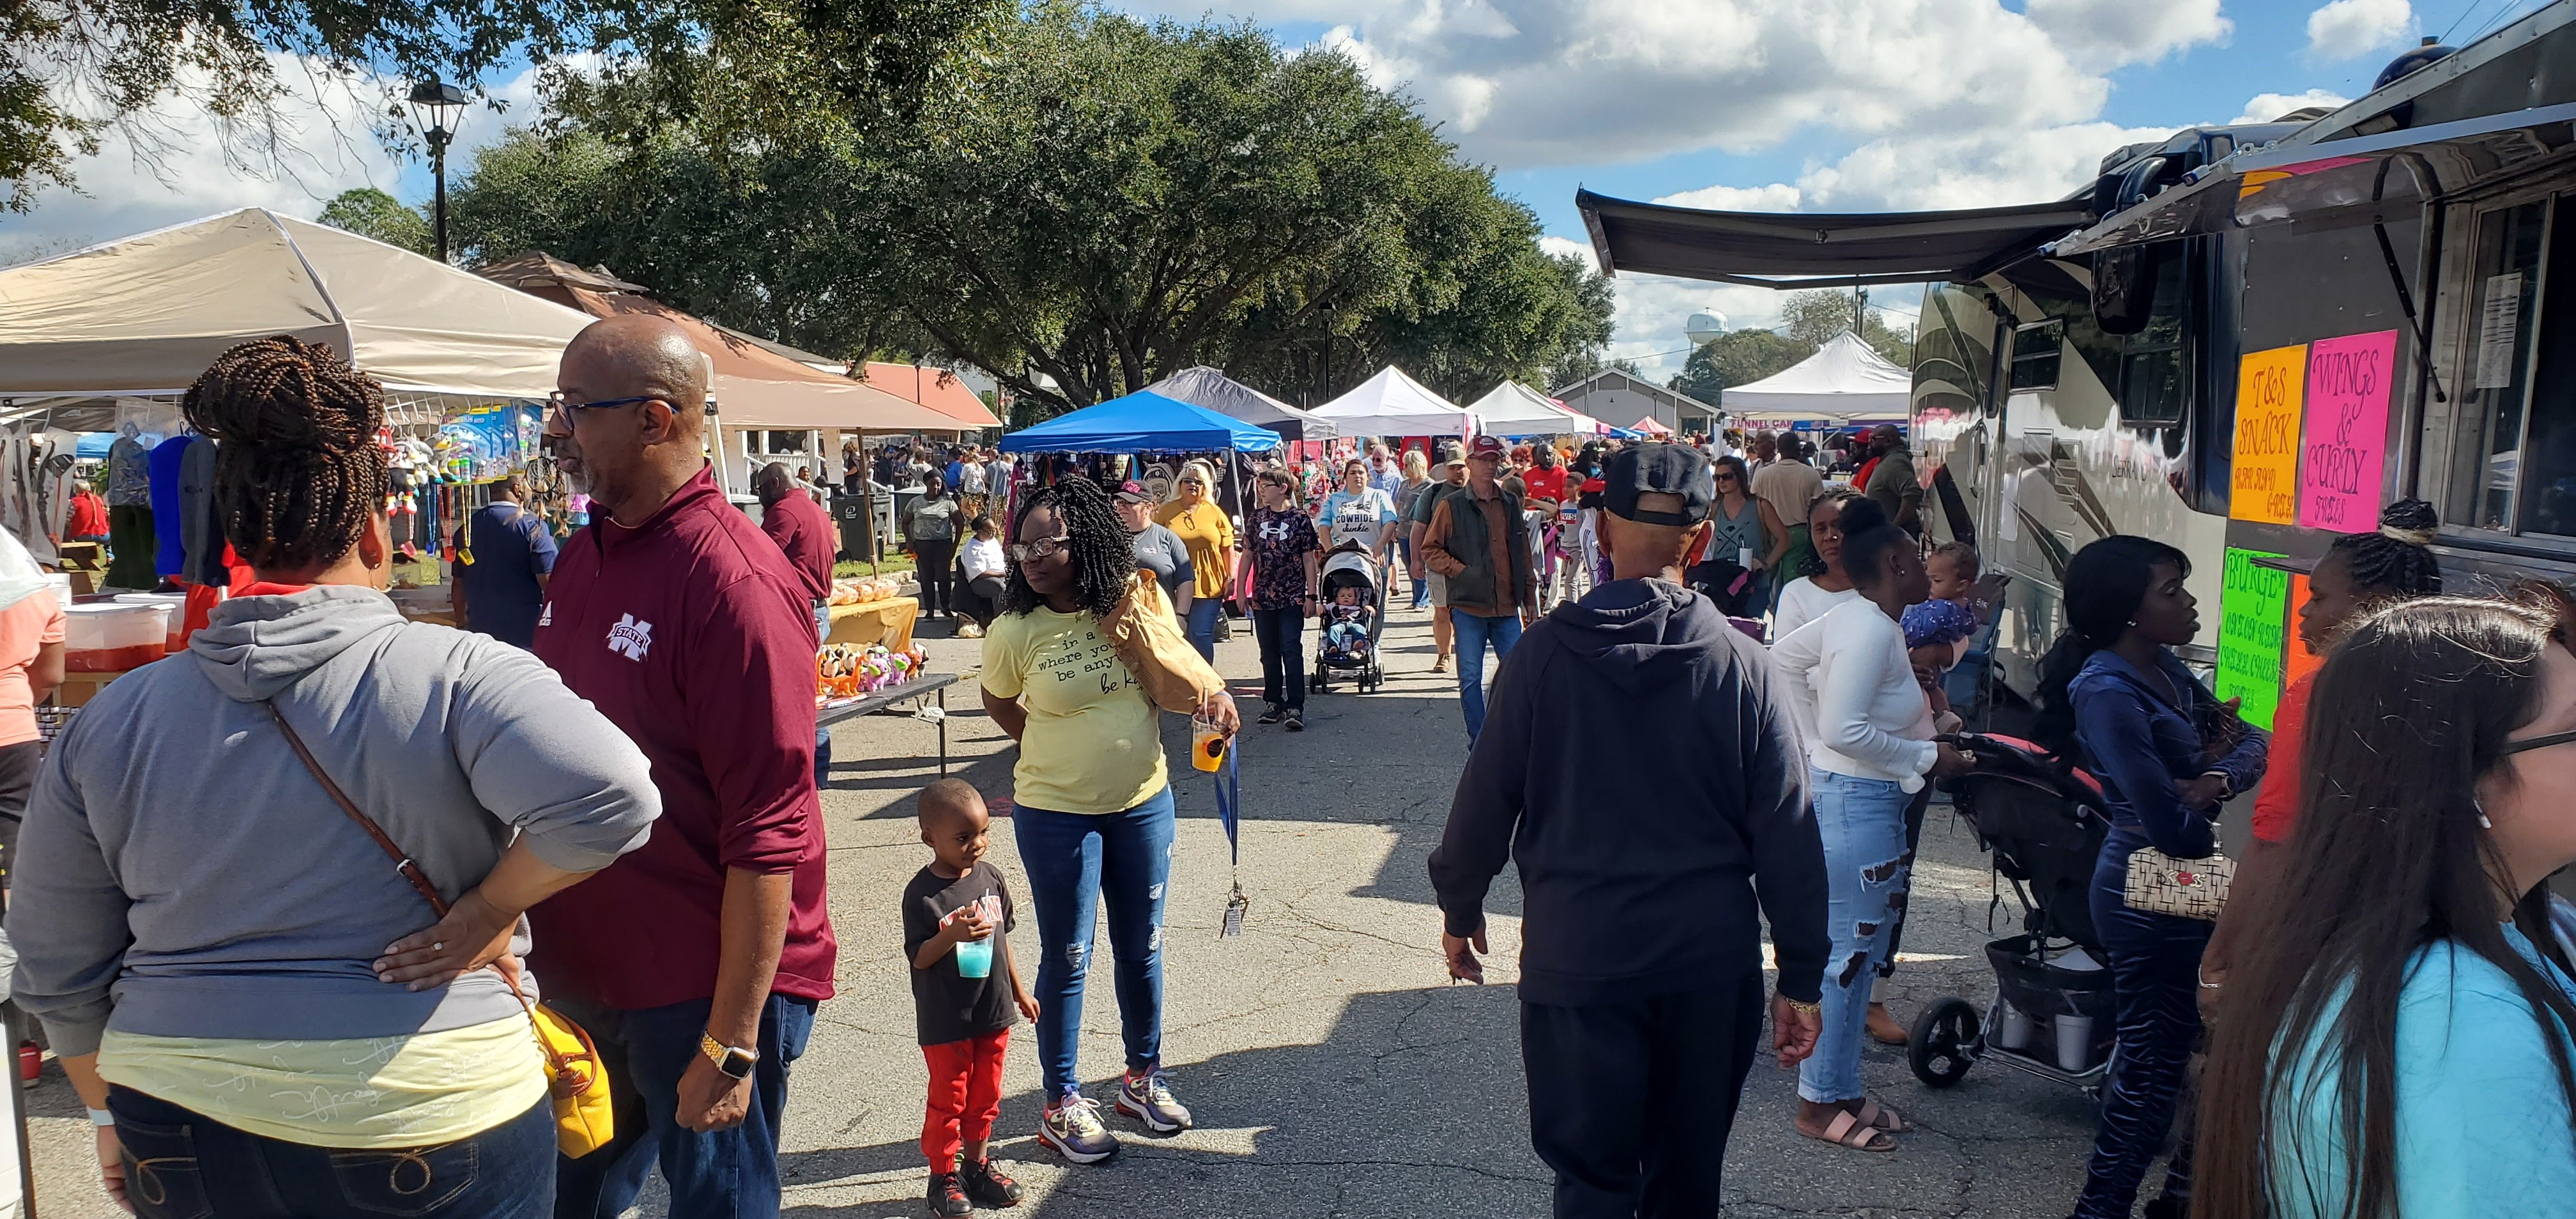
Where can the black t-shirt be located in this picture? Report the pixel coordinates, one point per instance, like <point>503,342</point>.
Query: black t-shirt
<point>947,1005</point>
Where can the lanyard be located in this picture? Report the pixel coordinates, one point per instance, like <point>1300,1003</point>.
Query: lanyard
<point>1229,811</point>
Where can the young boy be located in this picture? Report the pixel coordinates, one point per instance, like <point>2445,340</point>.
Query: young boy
<point>1346,623</point>
<point>956,924</point>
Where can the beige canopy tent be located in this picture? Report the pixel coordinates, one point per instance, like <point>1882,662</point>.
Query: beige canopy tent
<point>145,315</point>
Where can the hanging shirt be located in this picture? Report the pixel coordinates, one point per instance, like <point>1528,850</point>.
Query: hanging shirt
<point>129,474</point>
<point>171,552</point>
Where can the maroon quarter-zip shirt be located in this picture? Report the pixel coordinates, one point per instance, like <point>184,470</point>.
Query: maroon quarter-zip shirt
<point>693,634</point>
<point>804,533</point>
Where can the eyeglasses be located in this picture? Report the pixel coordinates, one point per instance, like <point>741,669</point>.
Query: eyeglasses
<point>2528,744</point>
<point>1031,552</point>
<point>569,410</point>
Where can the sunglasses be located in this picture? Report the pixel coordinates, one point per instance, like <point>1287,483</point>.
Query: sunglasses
<point>1031,552</point>
<point>2528,744</point>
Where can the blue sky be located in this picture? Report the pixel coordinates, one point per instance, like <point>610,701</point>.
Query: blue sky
<point>1827,105</point>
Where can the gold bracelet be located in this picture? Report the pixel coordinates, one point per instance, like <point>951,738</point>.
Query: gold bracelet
<point>1803,1009</point>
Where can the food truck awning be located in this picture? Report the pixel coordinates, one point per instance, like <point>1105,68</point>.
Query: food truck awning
<point>1819,249</point>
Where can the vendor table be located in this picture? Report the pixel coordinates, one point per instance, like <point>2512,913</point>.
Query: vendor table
<point>928,685</point>
<point>888,622</point>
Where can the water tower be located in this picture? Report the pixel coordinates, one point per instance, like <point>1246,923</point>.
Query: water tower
<point>1704,327</point>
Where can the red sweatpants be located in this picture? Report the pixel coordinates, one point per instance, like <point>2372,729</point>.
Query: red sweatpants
<point>965,1095</point>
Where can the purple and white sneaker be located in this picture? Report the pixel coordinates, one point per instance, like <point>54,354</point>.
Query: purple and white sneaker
<point>1149,1100</point>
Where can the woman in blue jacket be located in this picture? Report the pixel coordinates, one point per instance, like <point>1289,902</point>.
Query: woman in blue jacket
<point>2168,754</point>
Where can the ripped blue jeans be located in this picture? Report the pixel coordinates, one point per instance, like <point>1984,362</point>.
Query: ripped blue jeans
<point>1075,860</point>
<point>1867,869</point>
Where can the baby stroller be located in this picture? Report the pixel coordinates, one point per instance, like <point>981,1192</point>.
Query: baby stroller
<point>1348,566</point>
<point>2052,1016</point>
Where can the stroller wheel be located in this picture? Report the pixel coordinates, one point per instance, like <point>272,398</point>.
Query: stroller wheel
<point>1942,1047</point>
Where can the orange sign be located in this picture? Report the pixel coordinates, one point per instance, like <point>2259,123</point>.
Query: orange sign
<point>2296,660</point>
<point>2271,391</point>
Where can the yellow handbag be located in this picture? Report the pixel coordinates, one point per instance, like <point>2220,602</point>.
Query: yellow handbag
<point>584,1116</point>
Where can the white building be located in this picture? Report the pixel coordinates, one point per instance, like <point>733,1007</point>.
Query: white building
<point>1620,399</point>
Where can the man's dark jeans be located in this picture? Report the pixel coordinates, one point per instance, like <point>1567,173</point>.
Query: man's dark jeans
<point>719,1173</point>
<point>1631,1103</point>
<point>183,1165</point>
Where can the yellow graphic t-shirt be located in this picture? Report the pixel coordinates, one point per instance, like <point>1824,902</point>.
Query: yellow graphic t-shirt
<point>1093,743</point>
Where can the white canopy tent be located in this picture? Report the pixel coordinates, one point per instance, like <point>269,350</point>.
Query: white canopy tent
<point>1514,409</point>
<point>1393,404</point>
<point>145,315</point>
<point>1844,382</point>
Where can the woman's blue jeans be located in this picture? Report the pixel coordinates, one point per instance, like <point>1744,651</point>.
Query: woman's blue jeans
<point>182,1165</point>
<point>1202,626</point>
<point>1074,860</point>
<point>1421,583</point>
<point>1867,869</point>
<point>2155,981</point>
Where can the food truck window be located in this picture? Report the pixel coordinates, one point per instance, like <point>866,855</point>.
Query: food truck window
<point>2504,304</point>
<point>2036,352</point>
<point>2153,363</point>
<point>2549,439</point>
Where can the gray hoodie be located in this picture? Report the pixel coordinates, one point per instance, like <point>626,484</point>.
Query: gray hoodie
<point>182,874</point>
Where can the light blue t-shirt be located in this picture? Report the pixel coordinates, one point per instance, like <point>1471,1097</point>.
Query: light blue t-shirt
<point>2482,1125</point>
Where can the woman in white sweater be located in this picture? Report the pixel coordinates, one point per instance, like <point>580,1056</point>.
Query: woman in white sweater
<point>1868,731</point>
<point>1826,583</point>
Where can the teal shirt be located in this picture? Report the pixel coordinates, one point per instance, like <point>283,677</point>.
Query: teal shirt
<point>2482,1124</point>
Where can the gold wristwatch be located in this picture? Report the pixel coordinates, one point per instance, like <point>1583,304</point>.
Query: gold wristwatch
<point>733,1061</point>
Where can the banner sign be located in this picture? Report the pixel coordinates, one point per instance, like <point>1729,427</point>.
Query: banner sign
<point>2252,628</point>
<point>2269,390</point>
<point>2345,448</point>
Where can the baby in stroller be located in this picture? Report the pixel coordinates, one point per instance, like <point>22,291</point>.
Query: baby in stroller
<point>1347,623</point>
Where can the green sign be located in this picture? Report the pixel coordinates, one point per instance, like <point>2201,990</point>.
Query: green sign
<point>2254,610</point>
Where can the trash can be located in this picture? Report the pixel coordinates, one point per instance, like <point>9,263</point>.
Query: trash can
<point>852,513</point>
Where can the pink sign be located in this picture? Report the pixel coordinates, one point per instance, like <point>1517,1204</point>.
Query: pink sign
<point>2344,449</point>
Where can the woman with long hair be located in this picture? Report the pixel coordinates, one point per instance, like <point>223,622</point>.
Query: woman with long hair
<point>2168,754</point>
<point>1201,523</point>
<point>1094,817</point>
<point>1823,583</point>
<point>2397,1042</point>
<point>231,971</point>
<point>1868,728</point>
<point>1741,525</point>
<point>2359,572</point>
<point>1417,479</point>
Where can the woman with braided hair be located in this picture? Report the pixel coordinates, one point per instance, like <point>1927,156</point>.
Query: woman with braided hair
<point>240,988</point>
<point>2360,573</point>
<point>1094,816</point>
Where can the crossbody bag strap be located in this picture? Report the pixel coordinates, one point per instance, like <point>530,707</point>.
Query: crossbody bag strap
<point>402,862</point>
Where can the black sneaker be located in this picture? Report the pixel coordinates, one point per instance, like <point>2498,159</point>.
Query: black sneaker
<point>945,1200</point>
<point>988,1186</point>
<point>1296,721</point>
<point>1274,714</point>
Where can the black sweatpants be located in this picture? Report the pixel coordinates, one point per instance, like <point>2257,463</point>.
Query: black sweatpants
<point>1631,1103</point>
<point>935,564</point>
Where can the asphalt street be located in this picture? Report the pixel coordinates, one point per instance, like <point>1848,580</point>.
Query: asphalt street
<point>1332,1068</point>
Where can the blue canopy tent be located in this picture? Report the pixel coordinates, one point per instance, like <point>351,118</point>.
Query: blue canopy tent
<point>93,446</point>
<point>1143,421</point>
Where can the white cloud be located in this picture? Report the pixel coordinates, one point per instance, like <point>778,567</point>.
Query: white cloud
<point>1533,82</point>
<point>2109,33</point>
<point>1777,197</point>
<point>2349,29</point>
<point>2269,107</point>
<point>328,141</point>
<point>1563,245</point>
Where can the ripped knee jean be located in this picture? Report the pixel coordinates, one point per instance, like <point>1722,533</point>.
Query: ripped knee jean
<point>1867,869</point>
<point>1076,863</point>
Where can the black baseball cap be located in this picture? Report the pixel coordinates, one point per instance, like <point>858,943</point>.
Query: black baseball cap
<point>1662,469</point>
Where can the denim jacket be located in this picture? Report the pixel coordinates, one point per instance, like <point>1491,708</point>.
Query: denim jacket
<point>2139,744</point>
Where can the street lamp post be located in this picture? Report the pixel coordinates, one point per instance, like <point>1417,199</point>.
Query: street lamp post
<point>436,107</point>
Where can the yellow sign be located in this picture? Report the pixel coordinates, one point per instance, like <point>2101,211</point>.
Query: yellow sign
<point>2271,387</point>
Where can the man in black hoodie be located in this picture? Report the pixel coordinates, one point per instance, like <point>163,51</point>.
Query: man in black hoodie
<point>1639,765</point>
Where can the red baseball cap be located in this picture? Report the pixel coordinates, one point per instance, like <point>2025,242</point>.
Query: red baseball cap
<point>1485,446</point>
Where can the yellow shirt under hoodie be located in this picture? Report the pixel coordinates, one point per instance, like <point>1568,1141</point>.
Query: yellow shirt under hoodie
<point>419,1090</point>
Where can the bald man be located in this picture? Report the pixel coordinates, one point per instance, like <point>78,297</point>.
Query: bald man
<point>697,960</point>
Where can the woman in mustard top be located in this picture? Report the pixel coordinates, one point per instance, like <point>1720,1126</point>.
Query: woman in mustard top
<point>1203,527</point>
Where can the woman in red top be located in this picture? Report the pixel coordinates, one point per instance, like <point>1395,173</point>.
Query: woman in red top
<point>2360,573</point>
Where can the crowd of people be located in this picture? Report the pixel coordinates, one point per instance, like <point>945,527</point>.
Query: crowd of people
<point>607,817</point>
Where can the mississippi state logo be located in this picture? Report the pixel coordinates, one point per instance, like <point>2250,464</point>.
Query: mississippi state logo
<point>546,617</point>
<point>630,638</point>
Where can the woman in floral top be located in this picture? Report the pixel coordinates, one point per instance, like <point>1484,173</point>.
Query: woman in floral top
<point>1285,552</point>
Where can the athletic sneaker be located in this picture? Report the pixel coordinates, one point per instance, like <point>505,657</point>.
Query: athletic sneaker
<point>987,1185</point>
<point>1149,1100</point>
<point>970,631</point>
<point>946,1200</point>
<point>1273,714</point>
<point>1296,721</point>
<point>1073,1128</point>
